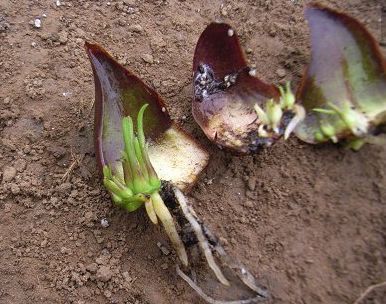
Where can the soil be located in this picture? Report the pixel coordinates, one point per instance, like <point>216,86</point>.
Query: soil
<point>308,221</point>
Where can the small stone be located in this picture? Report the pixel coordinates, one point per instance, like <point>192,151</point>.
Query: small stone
<point>281,72</point>
<point>223,241</point>
<point>148,58</point>
<point>105,223</point>
<point>63,37</point>
<point>129,2</point>
<point>121,22</point>
<point>107,293</point>
<point>37,23</point>
<point>163,249</point>
<point>233,241</point>
<point>4,26</point>
<point>164,266</point>
<point>7,207</point>
<point>15,189</point>
<point>9,173</point>
<point>54,201</point>
<point>64,188</point>
<point>127,277</point>
<point>252,183</point>
<point>243,220</point>
<point>309,261</point>
<point>208,181</point>
<point>57,152</point>
<point>93,267</point>
<point>7,100</point>
<point>27,149</point>
<point>136,28</point>
<point>89,216</point>
<point>157,41</point>
<point>20,165</point>
<point>104,274</point>
<point>248,204</point>
<point>65,250</point>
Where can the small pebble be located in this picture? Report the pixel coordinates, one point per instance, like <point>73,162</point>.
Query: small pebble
<point>107,293</point>
<point>252,72</point>
<point>37,23</point>
<point>104,274</point>
<point>9,173</point>
<point>105,223</point>
<point>127,277</point>
<point>7,207</point>
<point>15,189</point>
<point>248,204</point>
<point>136,28</point>
<point>252,183</point>
<point>148,58</point>
<point>281,72</point>
<point>163,249</point>
<point>223,241</point>
<point>20,165</point>
<point>63,37</point>
<point>93,267</point>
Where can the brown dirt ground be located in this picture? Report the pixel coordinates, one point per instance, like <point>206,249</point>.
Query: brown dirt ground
<point>308,221</point>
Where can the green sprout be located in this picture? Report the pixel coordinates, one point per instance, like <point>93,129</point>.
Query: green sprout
<point>354,120</point>
<point>270,119</point>
<point>141,185</point>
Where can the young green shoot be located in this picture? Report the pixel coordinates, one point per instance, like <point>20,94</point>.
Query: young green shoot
<point>270,118</point>
<point>141,184</point>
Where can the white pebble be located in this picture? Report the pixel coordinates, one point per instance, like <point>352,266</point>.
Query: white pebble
<point>252,72</point>
<point>58,3</point>
<point>231,32</point>
<point>105,223</point>
<point>37,23</point>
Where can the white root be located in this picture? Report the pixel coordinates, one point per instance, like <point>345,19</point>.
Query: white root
<point>367,291</point>
<point>300,114</point>
<point>245,276</point>
<point>150,211</point>
<point>200,236</point>
<point>167,221</point>
<point>379,140</point>
<point>207,298</point>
